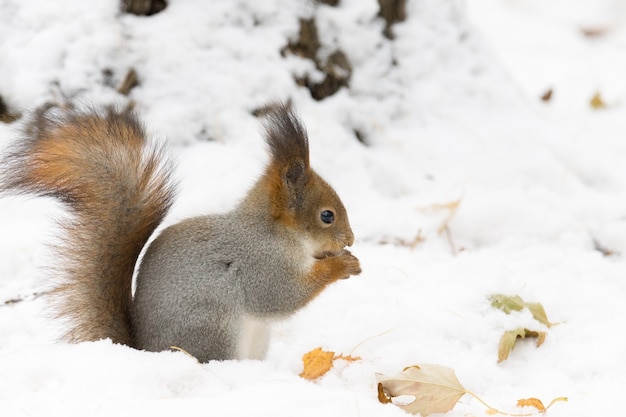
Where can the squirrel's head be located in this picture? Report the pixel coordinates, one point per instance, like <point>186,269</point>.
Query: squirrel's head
<point>300,198</point>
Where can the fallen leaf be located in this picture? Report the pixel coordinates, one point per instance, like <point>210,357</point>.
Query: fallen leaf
<point>435,388</point>
<point>383,397</point>
<point>531,402</point>
<point>594,32</point>
<point>317,362</point>
<point>538,404</point>
<point>508,303</point>
<point>547,96</point>
<point>509,338</point>
<point>597,102</point>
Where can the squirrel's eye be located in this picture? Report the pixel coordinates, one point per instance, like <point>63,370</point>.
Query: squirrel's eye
<point>327,216</point>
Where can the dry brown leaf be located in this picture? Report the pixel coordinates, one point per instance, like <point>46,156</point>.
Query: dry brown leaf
<point>317,362</point>
<point>509,338</point>
<point>434,388</point>
<point>383,397</point>
<point>594,32</point>
<point>547,96</point>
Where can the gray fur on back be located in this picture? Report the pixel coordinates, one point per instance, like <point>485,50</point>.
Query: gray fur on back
<point>200,277</point>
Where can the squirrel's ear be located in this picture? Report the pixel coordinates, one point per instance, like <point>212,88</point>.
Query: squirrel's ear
<point>289,147</point>
<point>285,135</point>
<point>295,177</point>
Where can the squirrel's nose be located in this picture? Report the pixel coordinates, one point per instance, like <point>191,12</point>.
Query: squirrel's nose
<point>349,238</point>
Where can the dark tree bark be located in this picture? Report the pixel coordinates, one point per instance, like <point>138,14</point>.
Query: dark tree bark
<point>143,7</point>
<point>392,11</point>
<point>6,115</point>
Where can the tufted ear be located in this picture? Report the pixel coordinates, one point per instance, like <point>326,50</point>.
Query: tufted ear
<point>289,147</point>
<point>295,178</point>
<point>286,136</point>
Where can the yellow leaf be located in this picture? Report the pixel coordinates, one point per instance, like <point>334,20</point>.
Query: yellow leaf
<point>316,363</point>
<point>434,388</point>
<point>509,338</point>
<point>508,303</point>
<point>534,402</point>
<point>531,402</point>
<point>596,102</point>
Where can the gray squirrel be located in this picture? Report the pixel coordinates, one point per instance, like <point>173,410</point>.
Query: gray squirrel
<point>209,285</point>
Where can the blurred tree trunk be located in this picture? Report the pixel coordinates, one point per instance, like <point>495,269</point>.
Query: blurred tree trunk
<point>143,7</point>
<point>392,11</point>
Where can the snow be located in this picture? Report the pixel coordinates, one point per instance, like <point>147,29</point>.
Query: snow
<point>457,116</point>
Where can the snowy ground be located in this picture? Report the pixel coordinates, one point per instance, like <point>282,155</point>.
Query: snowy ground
<point>457,117</point>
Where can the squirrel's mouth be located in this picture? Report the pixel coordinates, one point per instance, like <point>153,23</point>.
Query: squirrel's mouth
<point>328,253</point>
<point>325,254</point>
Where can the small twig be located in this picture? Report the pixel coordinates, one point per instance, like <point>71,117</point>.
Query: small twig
<point>184,351</point>
<point>20,299</point>
<point>492,410</point>
<point>450,240</point>
<point>370,338</point>
<point>602,249</point>
<point>397,241</point>
<point>130,81</point>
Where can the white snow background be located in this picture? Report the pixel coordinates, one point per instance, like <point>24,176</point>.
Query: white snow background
<point>449,110</point>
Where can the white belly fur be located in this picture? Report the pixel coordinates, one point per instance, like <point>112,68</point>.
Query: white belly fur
<point>253,338</point>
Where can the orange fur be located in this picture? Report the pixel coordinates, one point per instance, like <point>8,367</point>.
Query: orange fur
<point>327,270</point>
<point>102,167</point>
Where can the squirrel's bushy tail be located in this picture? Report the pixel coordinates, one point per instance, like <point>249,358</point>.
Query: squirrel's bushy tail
<point>118,187</point>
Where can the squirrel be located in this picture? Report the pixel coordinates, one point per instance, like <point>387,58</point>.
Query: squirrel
<point>210,285</point>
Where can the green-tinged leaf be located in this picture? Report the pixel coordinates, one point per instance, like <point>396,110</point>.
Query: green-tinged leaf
<point>509,338</point>
<point>539,313</point>
<point>435,388</point>
<point>508,303</point>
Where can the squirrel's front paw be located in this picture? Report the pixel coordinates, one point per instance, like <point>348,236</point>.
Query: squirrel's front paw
<point>351,264</point>
<point>333,267</point>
